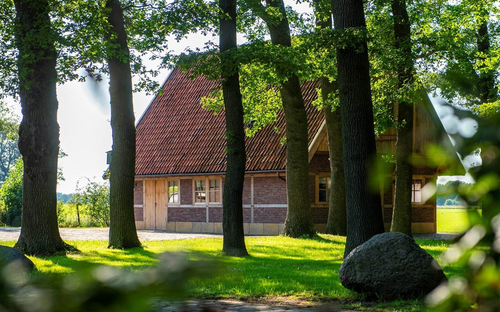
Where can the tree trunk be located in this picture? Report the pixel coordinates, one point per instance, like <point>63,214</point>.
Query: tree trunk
<point>232,218</point>
<point>364,213</point>
<point>487,90</point>
<point>122,230</point>
<point>299,220</point>
<point>39,130</point>
<point>78,214</point>
<point>402,210</point>
<point>336,222</point>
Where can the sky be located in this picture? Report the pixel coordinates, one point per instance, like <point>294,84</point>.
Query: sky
<point>85,131</point>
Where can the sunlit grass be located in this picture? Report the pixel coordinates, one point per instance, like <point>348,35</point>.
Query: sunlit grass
<point>454,220</point>
<point>277,266</point>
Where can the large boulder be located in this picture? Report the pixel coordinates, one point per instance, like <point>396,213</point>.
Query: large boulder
<point>391,266</point>
<point>10,255</point>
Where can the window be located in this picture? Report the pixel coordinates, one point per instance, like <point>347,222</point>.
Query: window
<point>416,191</point>
<point>324,185</point>
<point>214,191</point>
<point>173,192</point>
<point>199,191</point>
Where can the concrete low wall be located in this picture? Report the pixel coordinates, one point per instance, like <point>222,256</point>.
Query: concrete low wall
<point>268,229</point>
<point>418,227</point>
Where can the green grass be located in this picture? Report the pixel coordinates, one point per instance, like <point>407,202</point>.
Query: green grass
<point>454,220</point>
<point>306,269</point>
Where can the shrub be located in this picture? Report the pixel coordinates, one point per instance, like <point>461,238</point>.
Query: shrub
<point>61,212</point>
<point>94,200</point>
<point>11,193</point>
<point>451,202</point>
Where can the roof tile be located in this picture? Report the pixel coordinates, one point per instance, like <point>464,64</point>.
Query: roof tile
<point>177,136</point>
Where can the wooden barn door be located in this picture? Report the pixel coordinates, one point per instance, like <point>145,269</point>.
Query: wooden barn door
<point>161,205</point>
<point>155,212</point>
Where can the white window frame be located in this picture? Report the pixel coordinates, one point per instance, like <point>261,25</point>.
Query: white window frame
<point>219,189</point>
<point>204,190</point>
<point>317,188</point>
<point>178,192</point>
<point>415,191</point>
<point>206,181</point>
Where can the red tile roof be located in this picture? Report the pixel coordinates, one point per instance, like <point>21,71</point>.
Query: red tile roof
<point>177,136</point>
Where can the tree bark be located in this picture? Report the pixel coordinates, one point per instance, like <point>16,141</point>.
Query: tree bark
<point>486,86</point>
<point>336,222</point>
<point>122,230</point>
<point>299,220</point>
<point>232,217</point>
<point>364,213</point>
<point>39,130</point>
<point>402,210</point>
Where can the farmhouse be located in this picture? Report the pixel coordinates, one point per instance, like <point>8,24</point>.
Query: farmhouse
<point>181,162</point>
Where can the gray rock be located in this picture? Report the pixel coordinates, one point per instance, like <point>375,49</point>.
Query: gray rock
<point>391,266</point>
<point>9,255</point>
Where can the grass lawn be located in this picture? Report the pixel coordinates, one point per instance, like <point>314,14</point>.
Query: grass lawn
<point>305,269</point>
<point>454,220</point>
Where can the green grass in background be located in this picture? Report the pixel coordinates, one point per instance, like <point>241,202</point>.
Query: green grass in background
<point>455,220</point>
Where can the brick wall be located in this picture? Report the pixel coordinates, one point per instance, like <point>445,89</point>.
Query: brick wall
<point>423,214</point>
<point>186,192</point>
<point>320,163</point>
<point>182,214</point>
<point>312,189</point>
<point>247,215</point>
<point>320,215</point>
<point>138,214</point>
<point>247,191</point>
<point>419,214</point>
<point>138,192</point>
<point>419,170</point>
<point>269,190</point>
<point>215,214</point>
<point>269,215</point>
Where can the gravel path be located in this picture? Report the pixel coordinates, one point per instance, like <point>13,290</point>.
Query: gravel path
<point>12,234</point>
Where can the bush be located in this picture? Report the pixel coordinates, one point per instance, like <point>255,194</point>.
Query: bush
<point>11,194</point>
<point>451,202</point>
<point>94,200</point>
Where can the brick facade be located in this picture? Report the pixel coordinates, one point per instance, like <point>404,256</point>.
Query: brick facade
<point>215,214</point>
<point>312,189</point>
<point>247,191</point>
<point>320,215</point>
<point>186,191</point>
<point>269,190</point>
<point>420,214</point>
<point>181,214</point>
<point>139,213</point>
<point>269,215</point>
<point>320,163</point>
<point>138,192</point>
<point>139,200</point>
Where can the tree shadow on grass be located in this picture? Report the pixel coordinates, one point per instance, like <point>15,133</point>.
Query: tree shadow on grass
<point>133,259</point>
